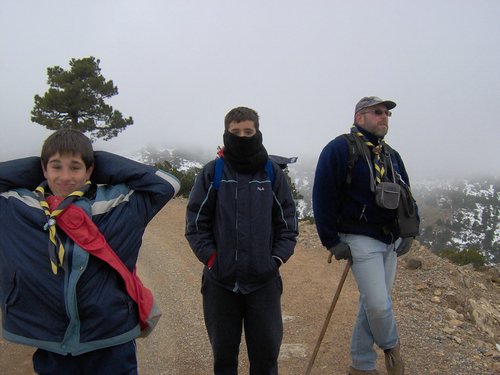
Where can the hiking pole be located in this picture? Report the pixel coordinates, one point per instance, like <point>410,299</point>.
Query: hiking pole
<point>330,312</point>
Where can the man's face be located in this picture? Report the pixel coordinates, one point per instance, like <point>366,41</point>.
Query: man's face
<point>374,119</point>
<point>66,174</point>
<point>242,129</point>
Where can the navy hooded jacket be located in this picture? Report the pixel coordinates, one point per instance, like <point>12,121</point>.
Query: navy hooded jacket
<point>85,306</point>
<point>247,221</point>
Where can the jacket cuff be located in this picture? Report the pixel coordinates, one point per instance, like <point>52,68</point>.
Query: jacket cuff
<point>278,260</point>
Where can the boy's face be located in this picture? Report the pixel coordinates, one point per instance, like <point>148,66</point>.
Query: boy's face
<point>242,129</point>
<point>66,173</point>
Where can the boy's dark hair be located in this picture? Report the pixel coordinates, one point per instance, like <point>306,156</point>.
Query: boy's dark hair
<point>240,114</point>
<point>68,142</point>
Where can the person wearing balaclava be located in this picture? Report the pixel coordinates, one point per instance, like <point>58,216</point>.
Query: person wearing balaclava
<point>241,224</point>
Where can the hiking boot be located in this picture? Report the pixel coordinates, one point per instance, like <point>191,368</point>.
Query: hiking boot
<point>353,371</point>
<point>394,362</point>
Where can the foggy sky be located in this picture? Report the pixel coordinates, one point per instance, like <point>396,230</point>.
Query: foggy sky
<point>181,65</point>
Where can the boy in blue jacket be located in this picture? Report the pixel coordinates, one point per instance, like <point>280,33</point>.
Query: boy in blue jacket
<point>55,296</point>
<point>243,231</point>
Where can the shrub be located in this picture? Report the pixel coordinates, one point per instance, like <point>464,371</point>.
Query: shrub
<point>468,256</point>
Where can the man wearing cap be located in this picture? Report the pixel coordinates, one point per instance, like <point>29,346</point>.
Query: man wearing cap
<point>353,225</point>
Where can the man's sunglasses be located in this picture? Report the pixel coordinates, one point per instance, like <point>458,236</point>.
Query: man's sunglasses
<point>378,112</point>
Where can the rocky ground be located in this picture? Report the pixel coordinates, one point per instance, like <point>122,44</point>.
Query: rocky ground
<point>449,316</point>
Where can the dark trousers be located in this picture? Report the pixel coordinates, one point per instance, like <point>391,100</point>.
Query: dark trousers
<point>115,360</point>
<point>259,313</point>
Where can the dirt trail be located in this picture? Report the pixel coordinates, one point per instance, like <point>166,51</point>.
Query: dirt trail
<point>179,345</point>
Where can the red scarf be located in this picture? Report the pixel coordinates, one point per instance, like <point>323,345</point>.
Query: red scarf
<point>82,230</point>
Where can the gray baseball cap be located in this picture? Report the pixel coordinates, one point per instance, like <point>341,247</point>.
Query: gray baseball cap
<point>368,101</point>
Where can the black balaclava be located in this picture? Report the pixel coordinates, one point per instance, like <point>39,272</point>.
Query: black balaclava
<point>245,154</point>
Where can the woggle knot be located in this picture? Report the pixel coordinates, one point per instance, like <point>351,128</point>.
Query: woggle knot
<point>51,222</point>
<point>55,246</point>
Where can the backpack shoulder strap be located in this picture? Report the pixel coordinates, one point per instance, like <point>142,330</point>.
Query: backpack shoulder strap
<point>270,170</point>
<point>393,160</point>
<point>354,153</point>
<point>388,148</point>
<point>219,167</point>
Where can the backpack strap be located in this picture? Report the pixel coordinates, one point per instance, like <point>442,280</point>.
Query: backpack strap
<point>354,154</point>
<point>219,168</point>
<point>270,171</point>
<point>356,149</point>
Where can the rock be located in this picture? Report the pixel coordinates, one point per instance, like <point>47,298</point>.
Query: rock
<point>455,323</point>
<point>482,286</point>
<point>467,282</point>
<point>493,274</point>
<point>451,299</point>
<point>490,353</point>
<point>292,351</point>
<point>468,267</point>
<point>421,287</point>
<point>413,263</point>
<point>414,304</point>
<point>457,339</point>
<point>454,315</point>
<point>448,330</point>
<point>435,299</point>
<point>496,368</point>
<point>485,315</point>
<point>482,346</point>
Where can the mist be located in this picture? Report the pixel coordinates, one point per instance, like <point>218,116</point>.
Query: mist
<point>180,66</point>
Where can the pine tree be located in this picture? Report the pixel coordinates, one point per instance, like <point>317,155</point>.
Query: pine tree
<point>75,100</point>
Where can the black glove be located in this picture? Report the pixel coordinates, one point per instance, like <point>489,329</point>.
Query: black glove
<point>341,251</point>
<point>404,246</point>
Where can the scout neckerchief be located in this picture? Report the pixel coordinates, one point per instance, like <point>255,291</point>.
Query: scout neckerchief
<point>377,151</point>
<point>56,248</point>
<point>82,230</point>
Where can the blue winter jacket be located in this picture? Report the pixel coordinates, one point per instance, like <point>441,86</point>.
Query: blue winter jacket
<point>85,307</point>
<point>350,208</point>
<point>247,221</point>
